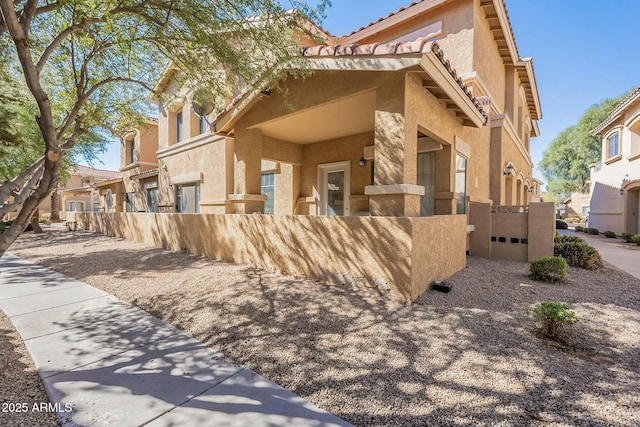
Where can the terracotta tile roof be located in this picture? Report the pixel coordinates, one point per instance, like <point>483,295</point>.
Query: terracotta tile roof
<point>384,17</point>
<point>417,47</point>
<point>615,111</point>
<point>85,171</point>
<point>146,174</point>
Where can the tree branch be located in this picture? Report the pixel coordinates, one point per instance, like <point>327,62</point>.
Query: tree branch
<point>39,11</point>
<point>9,187</point>
<point>83,100</point>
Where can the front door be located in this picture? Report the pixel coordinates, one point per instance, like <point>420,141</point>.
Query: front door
<point>334,189</point>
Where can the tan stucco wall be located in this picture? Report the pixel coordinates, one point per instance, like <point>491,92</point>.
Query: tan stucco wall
<point>207,157</point>
<point>507,233</point>
<point>367,250</point>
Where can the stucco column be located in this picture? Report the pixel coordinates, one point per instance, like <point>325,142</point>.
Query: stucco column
<point>247,159</point>
<point>394,192</point>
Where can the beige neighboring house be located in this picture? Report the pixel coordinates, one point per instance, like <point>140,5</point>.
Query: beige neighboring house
<point>78,193</point>
<point>615,180</point>
<point>576,205</point>
<point>536,191</point>
<point>407,147</point>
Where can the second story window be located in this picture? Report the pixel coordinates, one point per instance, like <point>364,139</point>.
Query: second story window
<point>203,126</point>
<point>131,145</point>
<point>179,127</point>
<point>613,145</point>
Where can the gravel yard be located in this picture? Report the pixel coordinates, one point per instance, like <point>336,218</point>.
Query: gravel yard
<point>469,357</point>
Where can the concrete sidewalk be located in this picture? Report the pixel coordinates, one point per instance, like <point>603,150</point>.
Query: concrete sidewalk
<point>105,362</point>
<point>625,256</point>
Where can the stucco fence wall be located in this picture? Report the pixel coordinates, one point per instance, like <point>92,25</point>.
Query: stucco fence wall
<point>404,255</point>
<point>519,233</point>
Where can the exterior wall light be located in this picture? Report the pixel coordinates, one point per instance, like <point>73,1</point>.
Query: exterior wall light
<point>362,161</point>
<point>509,169</point>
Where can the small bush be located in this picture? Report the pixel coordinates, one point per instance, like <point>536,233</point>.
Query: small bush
<point>574,219</point>
<point>549,269</point>
<point>609,234</point>
<point>591,230</point>
<point>553,317</point>
<point>577,252</point>
<point>627,237</point>
<point>635,239</point>
<point>8,223</point>
<point>579,228</point>
<point>561,225</point>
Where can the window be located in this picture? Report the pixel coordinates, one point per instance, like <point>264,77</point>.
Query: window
<point>188,198</point>
<point>461,184</point>
<point>131,202</point>
<point>71,206</point>
<point>203,125</point>
<point>80,206</point>
<point>268,189</point>
<point>152,200</point>
<point>131,145</point>
<point>96,207</point>
<point>179,126</point>
<point>613,145</point>
<point>427,178</point>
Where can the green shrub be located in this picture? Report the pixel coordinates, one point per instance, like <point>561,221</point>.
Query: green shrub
<point>549,269</point>
<point>609,234</point>
<point>627,237</point>
<point>561,225</point>
<point>579,228</point>
<point>635,239</point>
<point>8,223</point>
<point>577,252</point>
<point>574,219</point>
<point>591,230</point>
<point>553,317</point>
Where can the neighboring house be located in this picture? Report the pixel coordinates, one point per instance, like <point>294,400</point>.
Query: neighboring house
<point>139,167</point>
<point>615,180</point>
<point>77,193</point>
<point>535,190</point>
<point>383,165</point>
<point>576,205</point>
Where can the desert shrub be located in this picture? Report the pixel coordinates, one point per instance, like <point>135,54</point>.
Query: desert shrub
<point>627,237</point>
<point>579,228</point>
<point>577,252</point>
<point>574,219</point>
<point>635,239</point>
<point>609,234</point>
<point>549,269</point>
<point>591,230</point>
<point>553,317</point>
<point>8,223</point>
<point>561,225</point>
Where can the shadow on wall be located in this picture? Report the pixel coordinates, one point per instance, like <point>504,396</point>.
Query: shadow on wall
<point>373,251</point>
<point>606,210</point>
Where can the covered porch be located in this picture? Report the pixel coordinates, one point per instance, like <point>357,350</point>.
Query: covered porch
<point>380,134</point>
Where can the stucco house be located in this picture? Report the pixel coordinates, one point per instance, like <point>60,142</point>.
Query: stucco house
<point>372,168</point>
<point>615,179</point>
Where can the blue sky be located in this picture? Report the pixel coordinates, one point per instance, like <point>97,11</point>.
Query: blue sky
<point>583,51</point>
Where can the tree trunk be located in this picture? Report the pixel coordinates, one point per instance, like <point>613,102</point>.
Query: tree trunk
<point>55,206</point>
<point>35,222</point>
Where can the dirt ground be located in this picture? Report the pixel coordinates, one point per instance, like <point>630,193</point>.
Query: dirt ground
<point>469,357</point>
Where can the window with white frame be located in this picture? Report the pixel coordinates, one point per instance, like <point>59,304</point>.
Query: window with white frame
<point>613,145</point>
<point>203,125</point>
<point>179,127</point>
<point>461,184</point>
<point>188,198</point>
<point>268,189</point>
<point>71,206</point>
<point>131,202</point>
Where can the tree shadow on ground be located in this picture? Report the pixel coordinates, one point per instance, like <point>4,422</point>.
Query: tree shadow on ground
<point>469,357</point>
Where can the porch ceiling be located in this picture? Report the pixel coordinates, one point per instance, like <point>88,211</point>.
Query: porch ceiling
<point>346,116</point>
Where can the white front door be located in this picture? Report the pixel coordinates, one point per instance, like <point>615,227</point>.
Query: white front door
<point>334,188</point>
